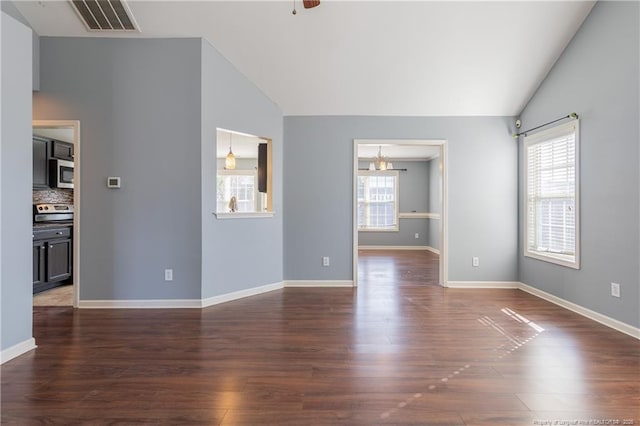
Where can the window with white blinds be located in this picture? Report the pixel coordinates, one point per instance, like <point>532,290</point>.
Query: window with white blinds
<point>378,200</point>
<point>552,207</point>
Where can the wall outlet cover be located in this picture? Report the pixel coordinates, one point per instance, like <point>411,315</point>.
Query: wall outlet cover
<point>475,262</point>
<point>615,289</point>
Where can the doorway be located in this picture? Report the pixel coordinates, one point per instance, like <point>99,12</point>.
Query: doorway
<point>386,213</point>
<point>68,131</point>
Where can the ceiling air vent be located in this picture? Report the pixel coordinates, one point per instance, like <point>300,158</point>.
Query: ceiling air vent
<point>105,15</point>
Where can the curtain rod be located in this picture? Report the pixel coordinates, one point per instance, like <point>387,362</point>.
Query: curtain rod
<point>571,115</point>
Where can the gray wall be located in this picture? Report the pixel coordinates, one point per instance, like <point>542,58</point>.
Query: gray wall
<point>597,77</point>
<point>138,102</point>
<point>413,197</point>
<point>237,254</point>
<point>434,203</point>
<point>15,184</point>
<point>10,9</point>
<point>482,192</point>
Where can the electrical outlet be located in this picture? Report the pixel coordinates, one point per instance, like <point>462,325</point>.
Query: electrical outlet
<point>326,261</point>
<point>615,289</point>
<point>168,274</point>
<point>475,262</point>
<point>417,235</point>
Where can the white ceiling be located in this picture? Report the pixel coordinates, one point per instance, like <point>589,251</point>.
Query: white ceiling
<point>434,58</point>
<point>242,145</point>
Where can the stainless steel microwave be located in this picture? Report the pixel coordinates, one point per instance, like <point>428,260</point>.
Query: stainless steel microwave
<point>60,174</point>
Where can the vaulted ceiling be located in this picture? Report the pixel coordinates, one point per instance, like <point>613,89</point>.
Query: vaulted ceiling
<point>417,58</point>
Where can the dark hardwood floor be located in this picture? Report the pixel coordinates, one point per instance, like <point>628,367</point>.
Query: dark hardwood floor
<point>401,353</point>
<point>398,267</point>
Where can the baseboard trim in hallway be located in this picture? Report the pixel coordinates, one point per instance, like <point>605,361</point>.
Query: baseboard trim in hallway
<point>431,249</point>
<point>140,304</point>
<point>585,312</point>
<point>581,310</point>
<point>209,301</point>
<point>318,283</point>
<point>17,350</point>
<point>229,297</point>
<point>483,284</point>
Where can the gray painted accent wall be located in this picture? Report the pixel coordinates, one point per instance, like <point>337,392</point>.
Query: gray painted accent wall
<point>237,254</point>
<point>404,237</point>
<point>482,177</point>
<point>35,46</point>
<point>434,202</point>
<point>10,9</point>
<point>138,102</point>
<point>15,180</point>
<point>597,77</point>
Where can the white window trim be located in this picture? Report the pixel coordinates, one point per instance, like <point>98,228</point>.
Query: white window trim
<point>555,258</point>
<point>396,203</point>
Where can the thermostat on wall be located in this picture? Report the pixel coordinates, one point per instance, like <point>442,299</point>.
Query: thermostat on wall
<point>113,182</point>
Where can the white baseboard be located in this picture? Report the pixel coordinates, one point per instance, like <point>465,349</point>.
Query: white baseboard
<point>588,313</point>
<point>595,316</point>
<point>17,350</point>
<point>396,248</point>
<point>177,303</point>
<point>140,304</point>
<point>432,250</point>
<point>483,284</point>
<point>215,300</point>
<point>318,283</point>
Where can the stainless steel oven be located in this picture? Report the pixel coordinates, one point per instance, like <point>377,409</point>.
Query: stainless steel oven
<point>53,213</point>
<point>61,174</point>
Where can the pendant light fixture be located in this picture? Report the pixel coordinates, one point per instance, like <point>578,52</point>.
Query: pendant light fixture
<point>380,161</point>
<point>230,161</point>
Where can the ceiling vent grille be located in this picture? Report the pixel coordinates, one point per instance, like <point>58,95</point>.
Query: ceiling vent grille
<point>105,15</point>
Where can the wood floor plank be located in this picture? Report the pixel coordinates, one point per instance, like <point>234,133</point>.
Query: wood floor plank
<point>397,350</point>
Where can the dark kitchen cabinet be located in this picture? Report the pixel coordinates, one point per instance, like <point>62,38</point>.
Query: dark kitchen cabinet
<point>52,257</point>
<point>59,260</point>
<point>40,163</point>
<point>39,266</point>
<point>61,150</point>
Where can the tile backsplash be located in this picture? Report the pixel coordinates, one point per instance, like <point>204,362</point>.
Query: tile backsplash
<point>53,195</point>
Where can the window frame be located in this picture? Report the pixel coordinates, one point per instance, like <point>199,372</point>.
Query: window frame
<point>534,139</point>
<point>239,172</point>
<point>396,175</point>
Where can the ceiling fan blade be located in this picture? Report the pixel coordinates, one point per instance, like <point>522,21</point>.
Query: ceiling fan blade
<point>308,4</point>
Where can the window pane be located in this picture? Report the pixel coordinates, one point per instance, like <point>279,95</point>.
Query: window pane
<point>242,186</point>
<point>377,201</point>
<point>551,191</point>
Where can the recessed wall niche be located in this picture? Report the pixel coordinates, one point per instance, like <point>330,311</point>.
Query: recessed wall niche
<point>244,174</point>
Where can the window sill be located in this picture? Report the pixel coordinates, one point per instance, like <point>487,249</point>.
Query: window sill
<point>379,230</point>
<point>557,259</point>
<point>243,215</point>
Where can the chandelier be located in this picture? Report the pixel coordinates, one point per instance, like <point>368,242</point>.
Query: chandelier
<point>380,162</point>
